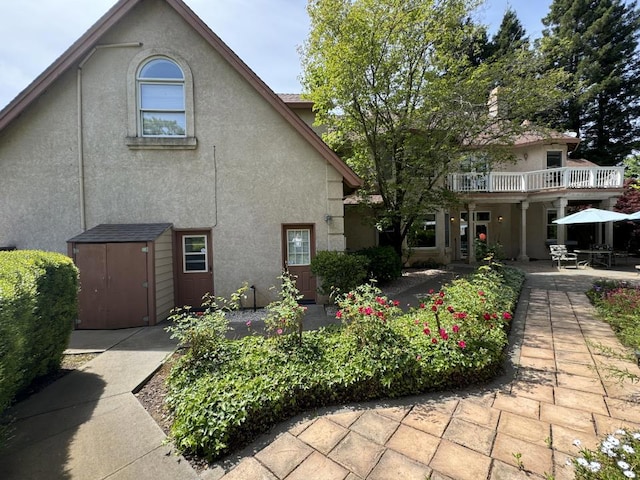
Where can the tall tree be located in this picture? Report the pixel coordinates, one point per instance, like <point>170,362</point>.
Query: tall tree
<point>404,100</point>
<point>596,41</point>
<point>510,36</point>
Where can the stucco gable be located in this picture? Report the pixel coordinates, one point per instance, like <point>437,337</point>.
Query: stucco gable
<point>83,46</point>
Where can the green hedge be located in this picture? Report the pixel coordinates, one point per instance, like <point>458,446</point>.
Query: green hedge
<point>38,305</point>
<point>224,398</point>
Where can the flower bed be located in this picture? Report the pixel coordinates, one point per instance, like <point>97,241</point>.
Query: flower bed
<point>223,393</point>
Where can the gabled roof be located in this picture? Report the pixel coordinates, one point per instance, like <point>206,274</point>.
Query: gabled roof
<point>76,52</point>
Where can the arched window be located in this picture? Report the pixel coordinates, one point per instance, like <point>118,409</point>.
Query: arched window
<point>161,99</point>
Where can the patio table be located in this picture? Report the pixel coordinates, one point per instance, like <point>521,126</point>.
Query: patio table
<point>597,257</point>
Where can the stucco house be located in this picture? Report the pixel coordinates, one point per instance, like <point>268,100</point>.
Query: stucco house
<point>166,168</point>
<point>510,204</point>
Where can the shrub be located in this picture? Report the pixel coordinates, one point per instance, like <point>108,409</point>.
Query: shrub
<point>38,307</point>
<point>384,263</point>
<point>377,352</point>
<point>284,316</point>
<point>339,271</point>
<point>618,303</point>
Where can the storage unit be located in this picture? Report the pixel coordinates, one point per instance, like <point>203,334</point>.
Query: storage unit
<point>126,275</point>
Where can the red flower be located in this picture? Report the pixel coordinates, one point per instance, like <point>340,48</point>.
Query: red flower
<point>434,308</point>
<point>368,311</point>
<point>462,344</point>
<point>430,291</point>
<point>441,293</point>
<point>426,331</point>
<point>422,305</point>
<point>481,292</point>
<point>460,315</point>
<point>279,331</point>
<point>494,315</point>
<point>418,357</point>
<point>507,316</point>
<point>434,340</point>
<point>396,303</point>
<point>439,301</point>
<point>443,334</point>
<point>416,321</point>
<point>456,329</point>
<point>339,314</point>
<point>487,316</point>
<point>451,309</point>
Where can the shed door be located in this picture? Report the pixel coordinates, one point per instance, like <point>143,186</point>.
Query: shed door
<point>298,249</point>
<point>194,267</point>
<point>114,285</point>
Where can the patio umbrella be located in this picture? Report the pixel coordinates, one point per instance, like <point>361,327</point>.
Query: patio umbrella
<point>592,215</point>
<point>634,216</point>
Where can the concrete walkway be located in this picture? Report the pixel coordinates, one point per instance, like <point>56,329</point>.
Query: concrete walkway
<point>89,425</point>
<point>557,390</point>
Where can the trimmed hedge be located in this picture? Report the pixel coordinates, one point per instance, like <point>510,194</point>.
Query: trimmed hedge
<point>222,399</point>
<point>38,305</point>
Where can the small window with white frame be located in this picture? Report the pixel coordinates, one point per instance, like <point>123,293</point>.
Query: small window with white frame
<point>194,254</point>
<point>161,99</point>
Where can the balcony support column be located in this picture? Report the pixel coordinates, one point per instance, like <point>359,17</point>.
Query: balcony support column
<point>608,226</point>
<point>561,205</point>
<point>471,234</point>
<point>522,257</point>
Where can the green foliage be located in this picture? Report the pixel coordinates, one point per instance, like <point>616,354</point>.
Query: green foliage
<point>618,302</point>
<point>378,352</point>
<point>203,331</point>
<point>596,42</point>
<point>38,307</point>
<point>384,263</point>
<point>485,250</point>
<point>404,92</point>
<point>339,272</point>
<point>618,457</point>
<point>285,316</point>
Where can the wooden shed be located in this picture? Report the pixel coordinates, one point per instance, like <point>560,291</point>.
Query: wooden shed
<point>126,275</point>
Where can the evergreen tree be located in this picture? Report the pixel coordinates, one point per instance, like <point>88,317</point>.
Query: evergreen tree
<point>596,42</point>
<point>511,36</point>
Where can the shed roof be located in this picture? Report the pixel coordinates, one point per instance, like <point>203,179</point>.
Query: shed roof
<point>78,51</point>
<point>122,233</point>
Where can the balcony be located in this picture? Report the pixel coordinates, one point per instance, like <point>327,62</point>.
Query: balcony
<point>538,180</point>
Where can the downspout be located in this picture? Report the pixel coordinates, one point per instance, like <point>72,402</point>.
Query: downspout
<point>81,189</point>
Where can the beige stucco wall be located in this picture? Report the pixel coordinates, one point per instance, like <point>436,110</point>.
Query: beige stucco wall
<point>250,173</point>
<point>536,157</point>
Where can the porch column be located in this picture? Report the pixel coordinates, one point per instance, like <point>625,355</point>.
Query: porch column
<point>561,204</point>
<point>471,234</point>
<point>522,257</point>
<point>608,226</point>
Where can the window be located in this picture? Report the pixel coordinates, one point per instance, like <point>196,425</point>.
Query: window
<point>298,247</point>
<point>447,229</point>
<point>423,233</point>
<point>554,159</point>
<point>194,248</point>
<point>161,97</point>
<point>552,228</point>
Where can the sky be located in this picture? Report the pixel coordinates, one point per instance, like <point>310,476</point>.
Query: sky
<point>265,34</point>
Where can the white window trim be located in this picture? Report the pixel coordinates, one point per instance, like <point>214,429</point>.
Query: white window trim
<point>134,139</point>
<point>184,254</point>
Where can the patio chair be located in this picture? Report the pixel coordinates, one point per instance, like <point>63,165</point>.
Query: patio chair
<point>559,254</point>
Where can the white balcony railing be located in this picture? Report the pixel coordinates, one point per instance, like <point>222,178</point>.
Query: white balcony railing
<point>552,178</point>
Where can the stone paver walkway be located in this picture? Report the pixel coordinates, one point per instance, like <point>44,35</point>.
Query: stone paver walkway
<point>558,390</point>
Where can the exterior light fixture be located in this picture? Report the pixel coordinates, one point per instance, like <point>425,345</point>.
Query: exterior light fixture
<point>500,219</point>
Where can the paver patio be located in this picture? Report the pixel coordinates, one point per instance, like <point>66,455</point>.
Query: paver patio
<point>521,426</point>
